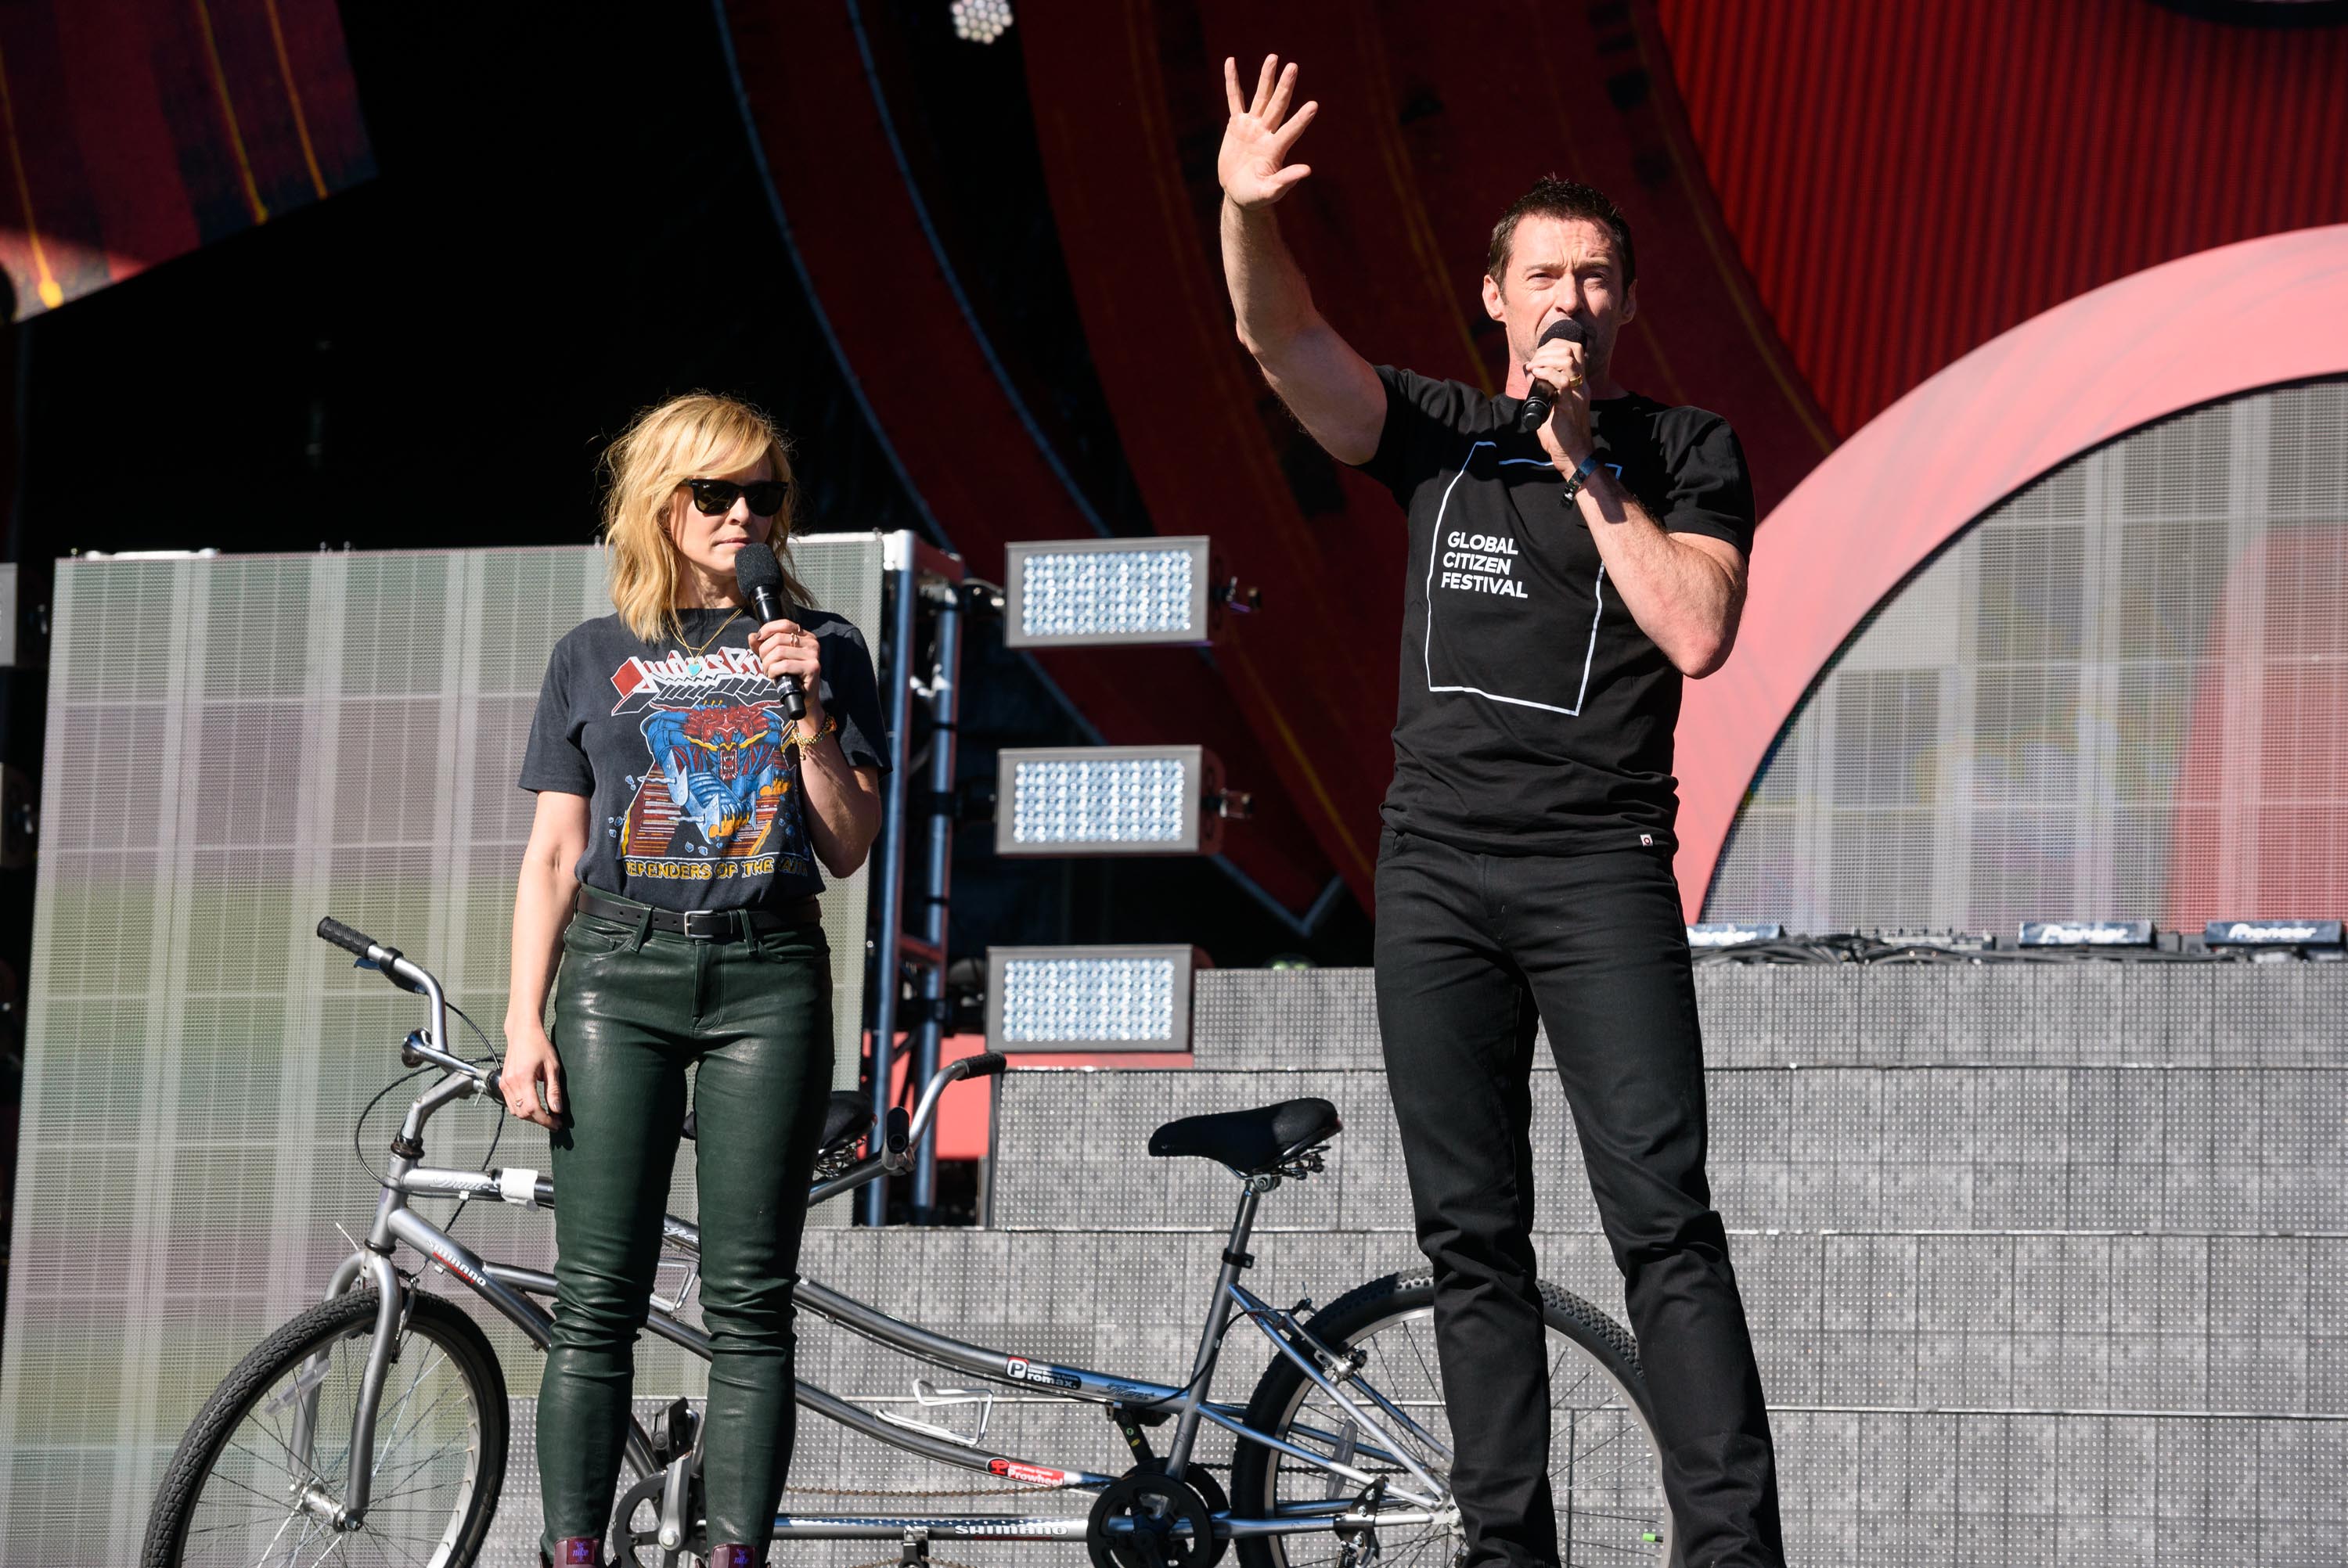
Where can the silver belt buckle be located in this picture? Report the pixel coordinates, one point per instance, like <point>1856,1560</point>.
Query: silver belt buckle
<point>706,925</point>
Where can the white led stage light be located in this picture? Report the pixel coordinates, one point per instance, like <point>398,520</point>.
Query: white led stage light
<point>1089,999</point>
<point>1081,593</point>
<point>1111,800</point>
<point>980,21</point>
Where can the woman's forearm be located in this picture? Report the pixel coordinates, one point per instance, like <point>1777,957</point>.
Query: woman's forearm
<point>542,907</point>
<point>843,814</point>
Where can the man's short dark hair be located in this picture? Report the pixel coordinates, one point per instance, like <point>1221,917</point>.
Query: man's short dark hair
<point>1562,200</point>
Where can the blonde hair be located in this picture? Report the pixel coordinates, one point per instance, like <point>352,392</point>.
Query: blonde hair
<point>694,437</point>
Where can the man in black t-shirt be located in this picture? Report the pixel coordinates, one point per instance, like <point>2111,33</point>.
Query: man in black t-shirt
<point>1560,584</point>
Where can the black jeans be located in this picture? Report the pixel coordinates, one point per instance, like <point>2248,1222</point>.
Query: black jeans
<point>1473,950</point>
<point>635,1013</point>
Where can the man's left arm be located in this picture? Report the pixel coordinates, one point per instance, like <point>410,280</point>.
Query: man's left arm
<point>1684,589</point>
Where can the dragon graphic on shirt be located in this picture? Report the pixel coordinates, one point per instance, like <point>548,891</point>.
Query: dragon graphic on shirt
<point>720,797</point>
<point>717,760</point>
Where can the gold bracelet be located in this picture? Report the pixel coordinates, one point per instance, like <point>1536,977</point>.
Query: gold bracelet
<point>803,741</point>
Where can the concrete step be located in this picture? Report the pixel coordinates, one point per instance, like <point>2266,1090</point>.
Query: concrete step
<point>2186,1148</point>
<point>1903,1321</point>
<point>2089,1013</point>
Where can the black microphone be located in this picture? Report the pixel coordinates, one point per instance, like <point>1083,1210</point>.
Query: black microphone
<point>760,577</point>
<point>1534,413</point>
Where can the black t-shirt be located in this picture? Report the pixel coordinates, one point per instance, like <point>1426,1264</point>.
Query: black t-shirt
<point>1536,716</point>
<point>694,801</point>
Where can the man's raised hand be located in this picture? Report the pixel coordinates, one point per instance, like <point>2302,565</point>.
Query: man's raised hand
<point>1253,163</point>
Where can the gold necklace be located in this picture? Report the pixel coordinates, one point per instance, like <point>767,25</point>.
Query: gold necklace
<point>713,636</point>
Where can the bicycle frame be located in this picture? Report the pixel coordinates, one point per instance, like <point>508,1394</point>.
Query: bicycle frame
<point>512,1291</point>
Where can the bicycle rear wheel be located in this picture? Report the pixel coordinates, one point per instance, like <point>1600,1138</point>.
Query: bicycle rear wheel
<point>231,1494</point>
<point>1604,1469</point>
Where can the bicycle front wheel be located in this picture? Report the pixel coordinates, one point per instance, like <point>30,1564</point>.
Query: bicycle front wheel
<point>1603,1466</point>
<point>235,1490</point>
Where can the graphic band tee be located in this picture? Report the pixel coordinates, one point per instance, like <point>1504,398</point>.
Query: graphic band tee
<point>694,800</point>
<point>1536,716</point>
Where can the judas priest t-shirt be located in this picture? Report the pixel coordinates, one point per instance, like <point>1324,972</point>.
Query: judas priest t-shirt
<point>1536,716</point>
<point>694,803</point>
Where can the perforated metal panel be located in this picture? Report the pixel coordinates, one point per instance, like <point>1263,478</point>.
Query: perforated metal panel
<point>235,747</point>
<point>2125,694</point>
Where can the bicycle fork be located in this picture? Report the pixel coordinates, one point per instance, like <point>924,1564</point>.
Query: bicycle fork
<point>349,1511</point>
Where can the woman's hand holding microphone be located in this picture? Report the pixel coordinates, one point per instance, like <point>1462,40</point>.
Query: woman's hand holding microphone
<point>786,648</point>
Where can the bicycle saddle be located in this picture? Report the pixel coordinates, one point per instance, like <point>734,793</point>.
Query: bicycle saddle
<point>1250,1142</point>
<point>850,1112</point>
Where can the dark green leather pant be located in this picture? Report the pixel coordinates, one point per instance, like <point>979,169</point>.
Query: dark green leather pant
<point>749,1022</point>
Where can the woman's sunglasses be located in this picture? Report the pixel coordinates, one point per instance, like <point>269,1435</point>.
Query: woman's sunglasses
<point>716,497</point>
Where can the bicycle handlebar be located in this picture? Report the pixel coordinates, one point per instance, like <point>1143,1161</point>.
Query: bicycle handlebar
<point>343,936</point>
<point>407,977</point>
<point>381,956</point>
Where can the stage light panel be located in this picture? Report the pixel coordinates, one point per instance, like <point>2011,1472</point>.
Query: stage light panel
<point>1090,999</point>
<point>980,21</point>
<point>1108,800</point>
<point>1084,593</point>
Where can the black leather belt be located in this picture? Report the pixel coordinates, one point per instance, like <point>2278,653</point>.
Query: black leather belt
<point>700,925</point>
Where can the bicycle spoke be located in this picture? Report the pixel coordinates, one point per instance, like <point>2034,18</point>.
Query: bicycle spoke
<point>274,1502</point>
<point>301,1542</point>
<point>290,1454</point>
<point>279,1531</point>
<point>405,1394</point>
<point>383,1446</point>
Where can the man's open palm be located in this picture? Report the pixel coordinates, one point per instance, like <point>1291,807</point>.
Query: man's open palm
<point>1253,163</point>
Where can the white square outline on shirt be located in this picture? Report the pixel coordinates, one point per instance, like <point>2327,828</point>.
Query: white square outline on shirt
<point>1435,548</point>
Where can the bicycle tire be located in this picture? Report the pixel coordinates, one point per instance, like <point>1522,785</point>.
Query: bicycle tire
<point>1616,1515</point>
<point>282,1358</point>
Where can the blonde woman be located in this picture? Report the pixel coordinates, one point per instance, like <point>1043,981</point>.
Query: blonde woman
<point>668,897</point>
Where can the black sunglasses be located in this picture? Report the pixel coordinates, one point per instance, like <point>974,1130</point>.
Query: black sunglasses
<point>716,497</point>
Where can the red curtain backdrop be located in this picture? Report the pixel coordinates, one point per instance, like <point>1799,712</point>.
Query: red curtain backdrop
<point>135,130</point>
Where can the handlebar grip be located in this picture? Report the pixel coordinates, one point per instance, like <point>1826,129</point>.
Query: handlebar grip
<point>333,930</point>
<point>899,1131</point>
<point>985,1064</point>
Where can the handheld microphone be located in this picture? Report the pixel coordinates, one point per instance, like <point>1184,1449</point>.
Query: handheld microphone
<point>760,577</point>
<point>1534,413</point>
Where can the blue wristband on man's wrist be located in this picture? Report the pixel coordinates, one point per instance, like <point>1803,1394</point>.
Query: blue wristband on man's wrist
<point>1580,474</point>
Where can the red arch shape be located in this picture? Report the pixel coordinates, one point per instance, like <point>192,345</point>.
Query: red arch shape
<point>2190,331</point>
